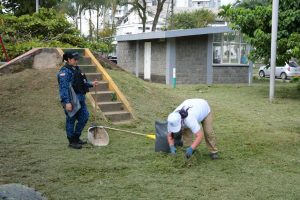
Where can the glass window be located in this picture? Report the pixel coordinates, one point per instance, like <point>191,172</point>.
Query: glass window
<point>225,36</point>
<point>226,53</point>
<point>244,57</point>
<point>218,37</point>
<point>234,54</point>
<point>227,48</point>
<point>242,39</point>
<point>217,53</point>
<point>231,37</point>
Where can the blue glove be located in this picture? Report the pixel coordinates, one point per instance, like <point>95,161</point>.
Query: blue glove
<point>173,149</point>
<point>189,152</point>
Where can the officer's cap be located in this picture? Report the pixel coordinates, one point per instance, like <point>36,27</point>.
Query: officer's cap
<point>71,54</point>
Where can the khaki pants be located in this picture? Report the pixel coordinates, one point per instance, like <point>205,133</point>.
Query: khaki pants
<point>207,127</point>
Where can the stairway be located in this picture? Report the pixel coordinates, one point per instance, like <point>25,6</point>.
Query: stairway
<point>106,95</point>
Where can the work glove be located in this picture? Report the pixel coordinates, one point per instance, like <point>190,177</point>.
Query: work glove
<point>173,149</point>
<point>189,152</point>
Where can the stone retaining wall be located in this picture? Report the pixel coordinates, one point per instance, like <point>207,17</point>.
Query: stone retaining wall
<point>38,58</point>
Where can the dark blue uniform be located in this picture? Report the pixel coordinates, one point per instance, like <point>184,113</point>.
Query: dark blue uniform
<point>66,77</point>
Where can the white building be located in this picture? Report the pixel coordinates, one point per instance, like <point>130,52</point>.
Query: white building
<point>199,3</point>
<point>129,22</point>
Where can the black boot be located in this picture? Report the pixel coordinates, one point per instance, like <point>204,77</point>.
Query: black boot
<point>79,141</point>
<point>73,144</point>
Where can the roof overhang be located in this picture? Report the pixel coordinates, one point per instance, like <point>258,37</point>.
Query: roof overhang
<point>173,33</point>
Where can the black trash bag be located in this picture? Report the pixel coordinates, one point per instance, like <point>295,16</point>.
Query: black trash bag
<point>161,141</point>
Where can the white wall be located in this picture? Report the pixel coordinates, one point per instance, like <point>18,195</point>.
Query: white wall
<point>182,3</point>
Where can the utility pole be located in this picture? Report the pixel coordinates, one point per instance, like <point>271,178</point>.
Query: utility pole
<point>275,6</point>
<point>37,6</point>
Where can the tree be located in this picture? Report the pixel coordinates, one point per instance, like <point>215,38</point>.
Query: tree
<point>159,8</point>
<point>255,23</point>
<point>21,7</point>
<point>141,7</point>
<point>113,6</point>
<point>70,9</point>
<point>251,4</point>
<point>43,29</point>
<point>101,9</point>
<point>74,9</point>
<point>196,19</point>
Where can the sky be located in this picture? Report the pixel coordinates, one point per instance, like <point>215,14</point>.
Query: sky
<point>225,2</point>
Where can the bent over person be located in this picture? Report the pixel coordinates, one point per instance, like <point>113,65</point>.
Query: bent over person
<point>191,117</point>
<point>74,84</point>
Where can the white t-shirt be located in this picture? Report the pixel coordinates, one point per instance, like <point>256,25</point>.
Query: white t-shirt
<point>199,109</point>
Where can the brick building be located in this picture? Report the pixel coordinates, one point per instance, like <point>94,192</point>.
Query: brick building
<point>205,55</point>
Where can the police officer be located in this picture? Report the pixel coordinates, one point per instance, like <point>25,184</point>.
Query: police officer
<point>70,75</point>
<point>187,120</point>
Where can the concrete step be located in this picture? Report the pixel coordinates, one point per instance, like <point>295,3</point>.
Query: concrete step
<point>117,116</point>
<point>93,76</point>
<point>103,86</point>
<point>85,61</point>
<point>88,68</point>
<point>111,106</point>
<point>104,96</point>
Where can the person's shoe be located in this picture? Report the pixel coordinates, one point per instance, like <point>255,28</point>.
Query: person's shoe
<point>82,142</point>
<point>75,146</point>
<point>79,141</point>
<point>214,156</point>
<point>73,143</point>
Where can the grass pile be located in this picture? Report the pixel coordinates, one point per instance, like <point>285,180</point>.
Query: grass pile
<point>258,142</point>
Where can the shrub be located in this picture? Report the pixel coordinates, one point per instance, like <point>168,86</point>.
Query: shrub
<point>44,29</point>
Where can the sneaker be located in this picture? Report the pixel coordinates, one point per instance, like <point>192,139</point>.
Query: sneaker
<point>79,141</point>
<point>214,156</point>
<point>82,142</point>
<point>75,145</point>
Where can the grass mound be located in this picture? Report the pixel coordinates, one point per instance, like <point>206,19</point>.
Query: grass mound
<point>258,143</point>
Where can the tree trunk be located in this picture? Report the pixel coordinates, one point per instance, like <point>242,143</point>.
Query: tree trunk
<point>90,24</point>
<point>143,17</point>
<point>80,21</point>
<point>76,22</point>
<point>144,23</point>
<point>114,10</point>
<point>97,29</point>
<point>142,10</point>
<point>159,8</point>
<point>80,25</point>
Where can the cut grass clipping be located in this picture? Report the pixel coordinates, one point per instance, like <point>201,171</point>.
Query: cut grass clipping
<point>258,142</point>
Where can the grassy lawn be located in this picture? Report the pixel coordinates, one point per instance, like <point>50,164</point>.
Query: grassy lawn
<point>259,143</point>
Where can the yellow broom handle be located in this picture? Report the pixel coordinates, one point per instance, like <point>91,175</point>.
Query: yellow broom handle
<point>125,131</point>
